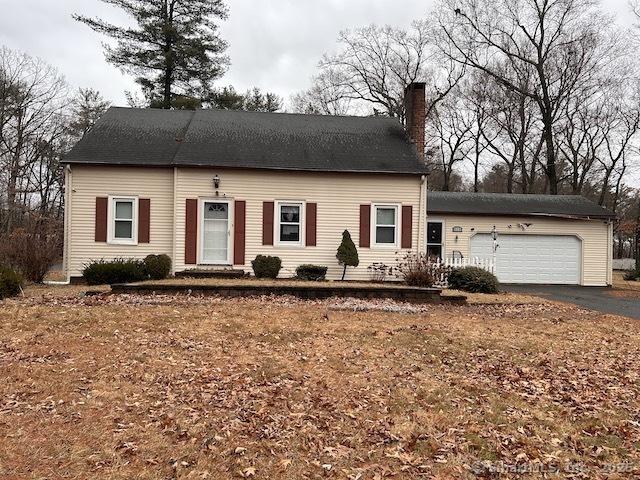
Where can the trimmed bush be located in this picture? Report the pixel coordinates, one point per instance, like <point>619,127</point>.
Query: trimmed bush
<point>157,267</point>
<point>120,270</point>
<point>473,280</point>
<point>314,273</point>
<point>347,254</point>
<point>265,266</point>
<point>10,283</point>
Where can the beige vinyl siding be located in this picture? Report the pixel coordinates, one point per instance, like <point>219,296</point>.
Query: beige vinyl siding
<point>338,196</point>
<point>594,234</point>
<point>87,182</point>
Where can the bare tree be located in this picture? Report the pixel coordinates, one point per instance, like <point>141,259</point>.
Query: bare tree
<point>449,128</point>
<point>559,44</point>
<point>374,65</point>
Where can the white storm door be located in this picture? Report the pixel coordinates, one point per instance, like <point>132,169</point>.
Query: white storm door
<point>215,233</point>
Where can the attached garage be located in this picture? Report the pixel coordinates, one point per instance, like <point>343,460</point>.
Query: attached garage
<point>540,239</point>
<point>545,259</point>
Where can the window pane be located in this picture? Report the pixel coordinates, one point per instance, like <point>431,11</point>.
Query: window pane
<point>434,232</point>
<point>124,210</point>
<point>216,211</point>
<point>386,216</point>
<point>386,235</point>
<point>289,233</point>
<point>290,213</point>
<point>124,229</point>
<point>434,251</point>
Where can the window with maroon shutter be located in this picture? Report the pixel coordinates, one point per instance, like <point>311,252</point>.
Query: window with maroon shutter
<point>407,226</point>
<point>267,223</point>
<point>311,224</point>
<point>144,220</point>
<point>365,226</point>
<point>239,228</point>
<point>102,207</point>
<point>191,232</point>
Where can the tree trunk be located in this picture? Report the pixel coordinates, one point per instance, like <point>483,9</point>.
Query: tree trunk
<point>550,167</point>
<point>344,271</point>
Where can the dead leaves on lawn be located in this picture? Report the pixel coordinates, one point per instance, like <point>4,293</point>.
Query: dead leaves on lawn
<point>177,387</point>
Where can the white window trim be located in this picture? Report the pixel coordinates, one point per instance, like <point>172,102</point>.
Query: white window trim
<point>230,230</point>
<point>301,242</point>
<point>444,234</point>
<point>112,221</point>
<point>374,225</point>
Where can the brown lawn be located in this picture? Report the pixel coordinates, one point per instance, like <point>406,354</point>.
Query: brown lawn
<point>161,388</point>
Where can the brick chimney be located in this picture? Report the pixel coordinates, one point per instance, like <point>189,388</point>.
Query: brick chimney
<point>416,111</point>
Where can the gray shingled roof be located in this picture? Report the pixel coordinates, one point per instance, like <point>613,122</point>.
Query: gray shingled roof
<point>220,138</point>
<point>514,204</point>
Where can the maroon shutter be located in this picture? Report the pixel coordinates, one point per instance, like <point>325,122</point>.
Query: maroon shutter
<point>365,226</point>
<point>311,221</point>
<point>191,232</point>
<point>102,204</point>
<point>267,223</point>
<point>144,220</point>
<point>239,214</point>
<point>407,226</point>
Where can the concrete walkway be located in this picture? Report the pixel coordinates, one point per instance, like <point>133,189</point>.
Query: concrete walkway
<point>602,299</point>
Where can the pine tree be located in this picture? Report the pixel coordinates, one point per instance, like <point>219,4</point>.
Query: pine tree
<point>174,50</point>
<point>253,100</point>
<point>87,107</point>
<point>347,253</point>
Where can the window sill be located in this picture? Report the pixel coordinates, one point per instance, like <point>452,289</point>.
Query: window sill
<point>122,242</point>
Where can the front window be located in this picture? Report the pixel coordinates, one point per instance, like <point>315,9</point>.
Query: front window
<point>123,220</point>
<point>386,225</point>
<point>289,223</point>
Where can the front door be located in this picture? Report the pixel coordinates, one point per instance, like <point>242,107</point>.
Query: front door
<point>215,233</point>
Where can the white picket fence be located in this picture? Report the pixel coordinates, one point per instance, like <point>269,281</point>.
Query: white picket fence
<point>485,263</point>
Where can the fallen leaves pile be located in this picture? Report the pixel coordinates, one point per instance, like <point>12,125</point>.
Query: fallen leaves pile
<point>166,387</point>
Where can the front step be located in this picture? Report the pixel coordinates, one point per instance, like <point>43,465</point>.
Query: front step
<point>220,273</point>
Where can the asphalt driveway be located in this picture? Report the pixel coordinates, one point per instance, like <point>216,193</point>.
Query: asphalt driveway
<point>607,300</point>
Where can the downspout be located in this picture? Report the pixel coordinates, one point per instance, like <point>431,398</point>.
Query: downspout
<point>175,216</point>
<point>422,244</point>
<point>609,253</point>
<point>66,236</point>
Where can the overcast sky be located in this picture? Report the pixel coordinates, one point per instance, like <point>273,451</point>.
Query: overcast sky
<point>274,44</point>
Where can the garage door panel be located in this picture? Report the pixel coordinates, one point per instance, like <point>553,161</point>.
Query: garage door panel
<point>532,258</point>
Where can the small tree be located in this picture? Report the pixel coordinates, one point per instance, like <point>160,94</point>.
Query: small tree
<point>347,254</point>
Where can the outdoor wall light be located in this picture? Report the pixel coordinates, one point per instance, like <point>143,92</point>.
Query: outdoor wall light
<point>216,182</point>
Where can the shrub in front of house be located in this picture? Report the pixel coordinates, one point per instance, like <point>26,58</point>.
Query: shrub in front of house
<point>120,270</point>
<point>157,267</point>
<point>417,270</point>
<point>632,276</point>
<point>265,266</point>
<point>473,280</point>
<point>314,273</point>
<point>10,283</point>
<point>347,253</point>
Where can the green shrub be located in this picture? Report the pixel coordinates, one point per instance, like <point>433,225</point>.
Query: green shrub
<point>632,275</point>
<point>347,254</point>
<point>474,280</point>
<point>314,273</point>
<point>120,270</point>
<point>157,267</point>
<point>10,283</point>
<point>265,266</point>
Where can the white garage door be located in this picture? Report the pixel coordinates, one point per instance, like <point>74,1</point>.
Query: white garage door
<point>546,259</point>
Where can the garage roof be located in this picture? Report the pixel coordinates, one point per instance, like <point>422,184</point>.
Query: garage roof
<point>467,203</point>
<point>223,138</point>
